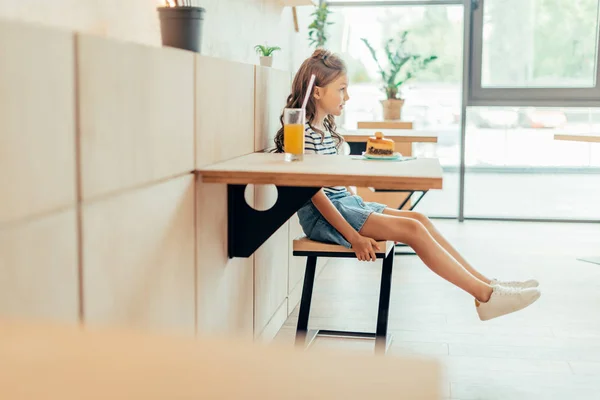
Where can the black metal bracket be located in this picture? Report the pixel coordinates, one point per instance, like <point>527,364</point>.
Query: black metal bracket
<point>248,229</point>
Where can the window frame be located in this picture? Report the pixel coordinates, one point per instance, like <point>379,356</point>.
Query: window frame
<point>523,97</point>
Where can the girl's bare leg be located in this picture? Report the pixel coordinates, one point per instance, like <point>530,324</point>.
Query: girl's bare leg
<point>439,238</point>
<point>440,261</point>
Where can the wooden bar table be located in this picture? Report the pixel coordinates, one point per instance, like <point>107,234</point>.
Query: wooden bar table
<point>404,140</point>
<point>297,182</point>
<point>577,138</point>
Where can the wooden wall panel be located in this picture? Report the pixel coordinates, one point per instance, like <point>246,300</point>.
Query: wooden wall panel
<point>270,268</point>
<point>224,129</point>
<point>39,268</point>
<point>225,286</point>
<point>136,107</point>
<point>272,89</point>
<point>271,278</point>
<point>297,266</point>
<point>138,258</point>
<point>224,110</point>
<point>37,120</point>
<point>272,258</point>
<point>274,325</point>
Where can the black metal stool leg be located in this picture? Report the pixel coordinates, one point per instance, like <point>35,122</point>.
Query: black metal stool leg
<point>381,340</point>
<point>307,290</point>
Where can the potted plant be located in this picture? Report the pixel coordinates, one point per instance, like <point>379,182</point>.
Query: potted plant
<point>181,24</point>
<point>266,54</point>
<point>402,65</point>
<point>316,30</point>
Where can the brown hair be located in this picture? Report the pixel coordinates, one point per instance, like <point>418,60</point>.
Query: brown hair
<point>327,67</point>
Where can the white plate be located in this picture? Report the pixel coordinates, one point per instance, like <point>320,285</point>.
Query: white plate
<point>394,156</point>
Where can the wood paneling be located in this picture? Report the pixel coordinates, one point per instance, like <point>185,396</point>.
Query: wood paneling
<point>37,120</point>
<point>275,323</point>
<point>296,266</point>
<point>39,269</point>
<point>272,89</point>
<point>225,286</point>
<point>224,129</point>
<point>138,258</point>
<point>270,269</point>
<point>224,110</point>
<point>136,107</point>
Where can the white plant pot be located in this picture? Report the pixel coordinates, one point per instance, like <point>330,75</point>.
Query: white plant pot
<point>266,61</point>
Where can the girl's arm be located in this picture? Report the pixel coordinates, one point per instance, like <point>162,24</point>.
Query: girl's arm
<point>362,246</point>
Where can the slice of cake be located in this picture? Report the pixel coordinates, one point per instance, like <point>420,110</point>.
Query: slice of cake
<point>378,146</point>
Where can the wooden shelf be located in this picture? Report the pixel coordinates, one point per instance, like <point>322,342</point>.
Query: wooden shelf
<point>319,171</point>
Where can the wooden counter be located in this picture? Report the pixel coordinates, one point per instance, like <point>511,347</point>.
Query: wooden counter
<point>54,362</point>
<point>319,171</point>
<point>298,181</point>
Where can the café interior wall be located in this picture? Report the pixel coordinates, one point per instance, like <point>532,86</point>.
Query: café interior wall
<point>231,27</point>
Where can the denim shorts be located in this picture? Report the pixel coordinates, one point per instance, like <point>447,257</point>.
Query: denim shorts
<point>353,209</point>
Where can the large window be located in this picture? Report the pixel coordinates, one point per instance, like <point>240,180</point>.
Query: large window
<point>432,98</point>
<point>535,52</point>
<point>539,43</point>
<point>532,73</point>
<point>516,169</point>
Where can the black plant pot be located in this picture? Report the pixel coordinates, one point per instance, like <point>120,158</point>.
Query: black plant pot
<point>181,27</point>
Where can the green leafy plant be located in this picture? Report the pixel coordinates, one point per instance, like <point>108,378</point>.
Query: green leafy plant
<point>399,59</point>
<point>266,51</point>
<point>316,30</point>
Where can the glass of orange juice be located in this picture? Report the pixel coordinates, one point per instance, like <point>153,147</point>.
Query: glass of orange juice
<point>293,134</point>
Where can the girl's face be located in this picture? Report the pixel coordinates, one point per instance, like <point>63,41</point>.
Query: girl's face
<point>331,98</point>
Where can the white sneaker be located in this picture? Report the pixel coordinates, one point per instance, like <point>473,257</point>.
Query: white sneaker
<point>531,283</point>
<point>505,300</point>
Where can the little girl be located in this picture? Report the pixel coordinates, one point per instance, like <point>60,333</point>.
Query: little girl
<point>336,215</point>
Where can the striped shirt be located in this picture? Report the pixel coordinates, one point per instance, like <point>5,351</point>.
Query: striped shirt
<point>315,143</point>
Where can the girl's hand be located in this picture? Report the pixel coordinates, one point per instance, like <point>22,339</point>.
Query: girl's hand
<point>364,248</point>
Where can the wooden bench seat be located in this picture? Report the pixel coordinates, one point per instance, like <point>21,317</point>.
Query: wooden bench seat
<point>304,247</point>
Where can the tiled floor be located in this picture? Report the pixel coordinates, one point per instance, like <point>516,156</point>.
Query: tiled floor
<point>550,350</point>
